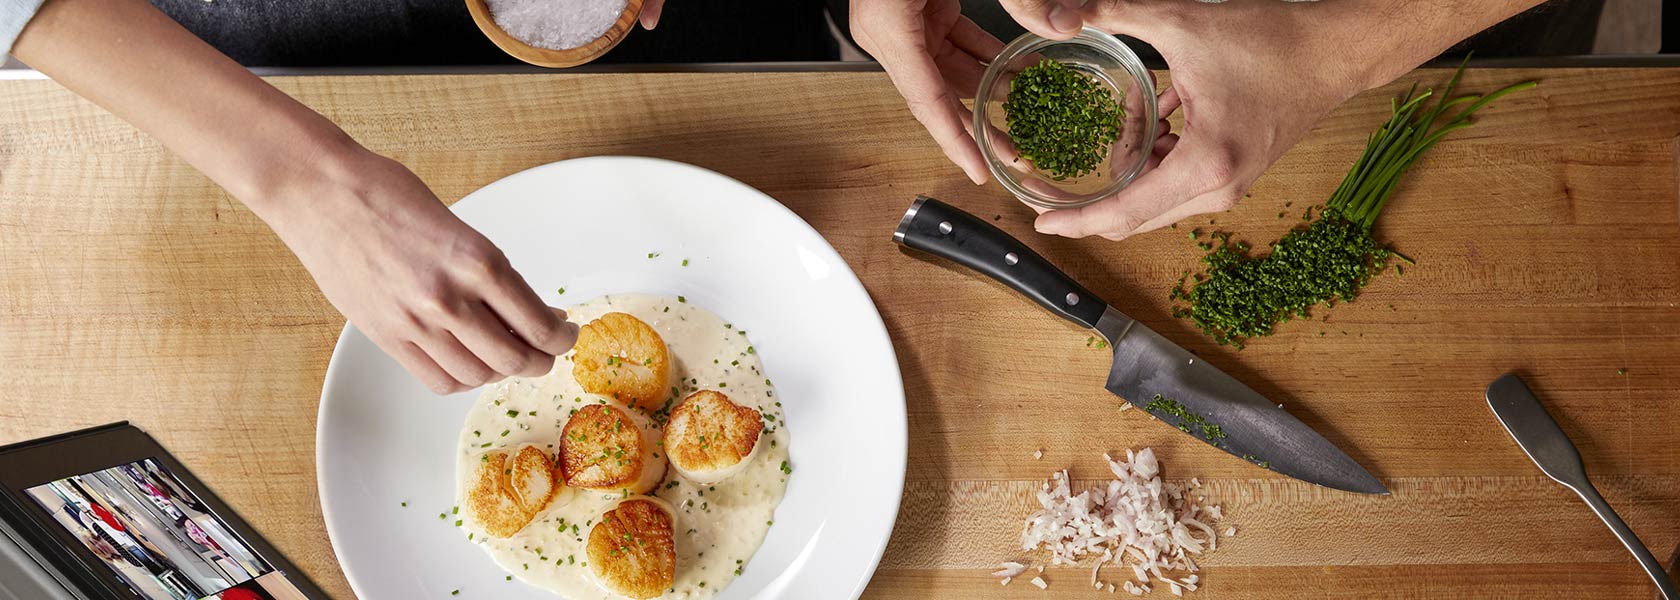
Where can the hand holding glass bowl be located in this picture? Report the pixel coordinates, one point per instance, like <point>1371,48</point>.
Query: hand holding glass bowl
<point>1116,68</point>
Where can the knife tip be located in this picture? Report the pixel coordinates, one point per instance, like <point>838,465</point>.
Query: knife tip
<point>1372,487</point>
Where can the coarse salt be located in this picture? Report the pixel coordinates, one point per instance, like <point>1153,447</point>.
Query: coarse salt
<point>1039,583</point>
<point>555,24</point>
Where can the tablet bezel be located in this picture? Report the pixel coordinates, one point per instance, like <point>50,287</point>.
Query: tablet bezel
<point>29,464</point>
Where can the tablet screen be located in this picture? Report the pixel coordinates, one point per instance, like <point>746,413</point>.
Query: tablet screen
<point>158,537</point>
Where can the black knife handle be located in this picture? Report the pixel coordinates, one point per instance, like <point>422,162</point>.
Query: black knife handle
<point>943,230</point>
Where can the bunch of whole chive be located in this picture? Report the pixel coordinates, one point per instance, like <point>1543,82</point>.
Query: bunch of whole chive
<point>1331,259</point>
<point>1062,120</point>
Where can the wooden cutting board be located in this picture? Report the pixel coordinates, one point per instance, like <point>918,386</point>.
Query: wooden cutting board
<point>1546,239</point>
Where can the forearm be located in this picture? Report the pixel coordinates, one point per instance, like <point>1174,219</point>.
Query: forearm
<point>1381,40</point>
<point>429,290</point>
<point>126,56</point>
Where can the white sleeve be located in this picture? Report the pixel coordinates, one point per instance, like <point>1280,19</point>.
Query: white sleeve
<point>14,14</point>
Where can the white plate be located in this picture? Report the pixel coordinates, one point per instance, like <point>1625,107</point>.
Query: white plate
<point>588,225</point>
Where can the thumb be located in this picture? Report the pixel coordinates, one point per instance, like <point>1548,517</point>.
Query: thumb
<point>1053,19</point>
<point>650,12</point>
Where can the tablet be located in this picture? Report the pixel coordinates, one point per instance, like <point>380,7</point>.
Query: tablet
<point>106,513</point>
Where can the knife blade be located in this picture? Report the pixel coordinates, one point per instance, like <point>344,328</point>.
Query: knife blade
<point>1149,371</point>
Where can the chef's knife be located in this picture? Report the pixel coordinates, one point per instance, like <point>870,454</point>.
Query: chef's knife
<point>1149,371</point>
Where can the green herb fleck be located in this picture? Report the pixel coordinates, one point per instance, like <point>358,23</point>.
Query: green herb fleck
<point>1188,422</point>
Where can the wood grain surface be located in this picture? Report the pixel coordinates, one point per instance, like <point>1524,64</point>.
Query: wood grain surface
<point>1546,237</point>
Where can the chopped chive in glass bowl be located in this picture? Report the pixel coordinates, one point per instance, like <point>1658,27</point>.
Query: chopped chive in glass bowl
<point>1079,176</point>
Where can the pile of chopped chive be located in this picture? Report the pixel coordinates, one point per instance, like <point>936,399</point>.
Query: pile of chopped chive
<point>1062,120</point>
<point>1331,259</point>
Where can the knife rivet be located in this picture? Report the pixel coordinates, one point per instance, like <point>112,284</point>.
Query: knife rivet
<point>1010,259</point>
<point>1072,299</point>
<point>944,228</point>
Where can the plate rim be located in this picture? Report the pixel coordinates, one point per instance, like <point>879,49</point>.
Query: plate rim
<point>899,433</point>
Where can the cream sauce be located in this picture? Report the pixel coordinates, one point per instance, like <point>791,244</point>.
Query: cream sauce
<point>718,527</point>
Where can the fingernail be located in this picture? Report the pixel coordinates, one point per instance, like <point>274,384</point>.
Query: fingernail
<point>1065,19</point>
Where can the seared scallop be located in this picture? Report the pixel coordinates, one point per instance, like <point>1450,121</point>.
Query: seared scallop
<point>710,437</point>
<point>632,550</point>
<point>620,357</point>
<point>508,489</point>
<point>606,448</point>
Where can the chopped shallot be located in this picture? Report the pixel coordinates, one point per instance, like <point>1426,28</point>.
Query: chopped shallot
<point>1137,520</point>
<point>1009,569</point>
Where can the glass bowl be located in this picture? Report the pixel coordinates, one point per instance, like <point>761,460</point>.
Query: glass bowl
<point>1112,64</point>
